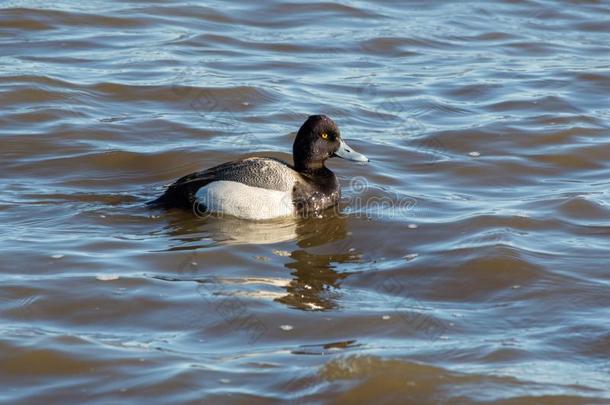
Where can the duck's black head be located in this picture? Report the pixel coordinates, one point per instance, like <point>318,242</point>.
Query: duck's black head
<point>317,140</point>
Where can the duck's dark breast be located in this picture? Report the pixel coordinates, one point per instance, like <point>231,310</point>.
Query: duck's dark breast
<point>316,192</point>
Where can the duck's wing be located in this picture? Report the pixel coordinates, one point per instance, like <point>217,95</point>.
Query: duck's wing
<point>266,173</point>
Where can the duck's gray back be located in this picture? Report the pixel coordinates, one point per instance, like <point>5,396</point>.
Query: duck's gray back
<point>265,173</point>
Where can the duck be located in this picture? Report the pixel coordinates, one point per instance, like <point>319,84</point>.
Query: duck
<point>260,188</point>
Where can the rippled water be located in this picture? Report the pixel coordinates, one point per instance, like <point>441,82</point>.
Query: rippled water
<point>469,262</point>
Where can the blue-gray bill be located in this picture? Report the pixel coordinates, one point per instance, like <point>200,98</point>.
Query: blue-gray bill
<point>346,152</point>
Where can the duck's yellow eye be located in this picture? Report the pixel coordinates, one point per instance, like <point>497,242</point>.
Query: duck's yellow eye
<point>324,135</point>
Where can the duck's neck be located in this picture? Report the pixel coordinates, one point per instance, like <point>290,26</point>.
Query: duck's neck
<point>312,168</point>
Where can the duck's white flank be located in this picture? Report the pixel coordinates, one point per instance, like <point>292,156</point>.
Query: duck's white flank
<point>240,200</point>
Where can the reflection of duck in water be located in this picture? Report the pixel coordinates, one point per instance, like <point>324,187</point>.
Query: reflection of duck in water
<point>236,231</point>
<point>230,230</point>
<point>315,282</point>
<point>321,249</point>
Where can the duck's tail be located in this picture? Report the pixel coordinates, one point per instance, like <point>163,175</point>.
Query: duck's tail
<point>159,202</point>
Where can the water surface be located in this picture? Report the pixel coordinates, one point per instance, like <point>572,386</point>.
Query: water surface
<point>468,262</point>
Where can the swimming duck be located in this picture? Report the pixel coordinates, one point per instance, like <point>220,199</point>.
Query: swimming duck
<point>262,187</point>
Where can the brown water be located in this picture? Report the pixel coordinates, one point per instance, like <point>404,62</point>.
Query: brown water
<point>469,262</point>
